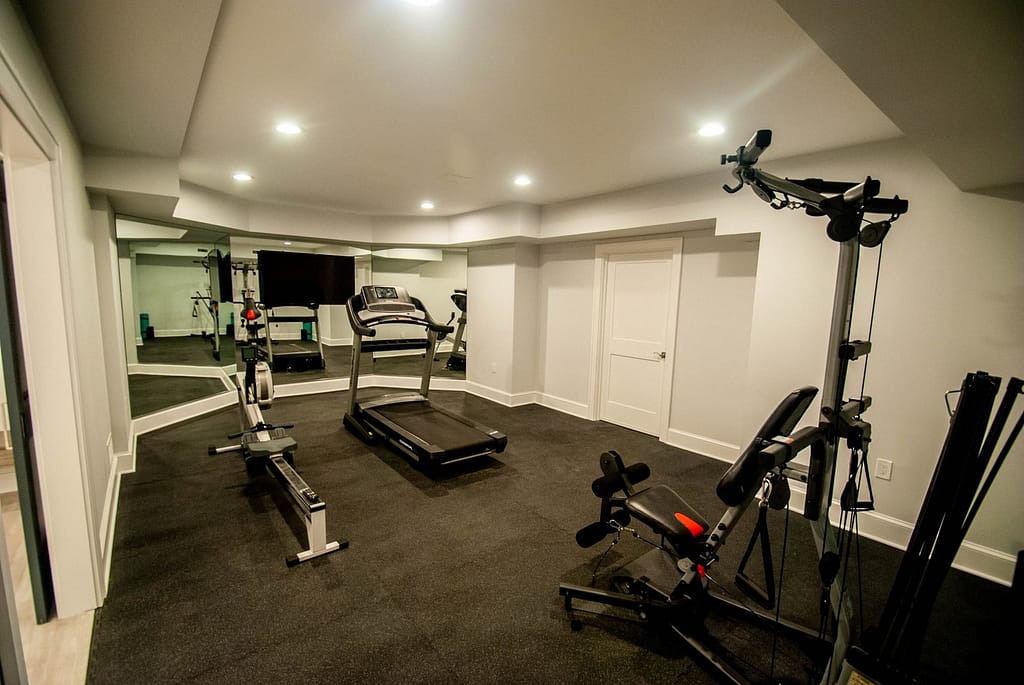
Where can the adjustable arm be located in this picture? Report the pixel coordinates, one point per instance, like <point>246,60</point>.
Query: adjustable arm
<point>844,203</point>
<point>433,325</point>
<point>783,449</point>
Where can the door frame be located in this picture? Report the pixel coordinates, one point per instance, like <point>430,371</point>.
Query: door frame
<point>73,537</point>
<point>602,254</point>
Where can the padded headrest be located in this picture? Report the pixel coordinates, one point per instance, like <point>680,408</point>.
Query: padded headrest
<point>745,475</point>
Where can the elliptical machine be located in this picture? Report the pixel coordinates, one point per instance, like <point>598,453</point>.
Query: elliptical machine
<point>267,446</point>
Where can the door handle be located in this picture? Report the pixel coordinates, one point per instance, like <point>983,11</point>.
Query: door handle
<point>659,355</point>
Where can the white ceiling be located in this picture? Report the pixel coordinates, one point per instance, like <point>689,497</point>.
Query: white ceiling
<point>402,103</point>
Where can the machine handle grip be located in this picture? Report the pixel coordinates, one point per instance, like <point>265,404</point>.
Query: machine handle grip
<point>782,450</point>
<point>886,205</point>
<point>440,328</point>
<point>354,304</point>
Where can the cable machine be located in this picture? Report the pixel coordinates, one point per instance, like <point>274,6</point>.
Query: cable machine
<point>962,476</point>
<point>672,580</point>
<point>211,301</point>
<point>845,205</point>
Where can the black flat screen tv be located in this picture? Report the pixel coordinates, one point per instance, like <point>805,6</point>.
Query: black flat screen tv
<point>302,279</point>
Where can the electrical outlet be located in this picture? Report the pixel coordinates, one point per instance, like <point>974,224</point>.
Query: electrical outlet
<point>883,469</point>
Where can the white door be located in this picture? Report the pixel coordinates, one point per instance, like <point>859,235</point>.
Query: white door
<point>640,301</point>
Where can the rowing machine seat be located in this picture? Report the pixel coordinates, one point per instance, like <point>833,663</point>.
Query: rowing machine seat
<point>264,449</point>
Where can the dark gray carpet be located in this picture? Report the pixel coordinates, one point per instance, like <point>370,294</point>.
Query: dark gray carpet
<point>447,580</point>
<point>189,350</point>
<point>150,393</point>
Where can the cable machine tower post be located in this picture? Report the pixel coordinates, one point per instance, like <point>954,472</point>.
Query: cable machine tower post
<point>844,204</point>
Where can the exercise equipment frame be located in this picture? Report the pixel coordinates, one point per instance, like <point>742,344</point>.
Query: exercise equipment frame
<point>270,446</point>
<point>423,432</point>
<point>845,204</point>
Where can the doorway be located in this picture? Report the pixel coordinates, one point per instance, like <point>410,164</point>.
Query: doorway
<point>20,421</point>
<point>637,305</point>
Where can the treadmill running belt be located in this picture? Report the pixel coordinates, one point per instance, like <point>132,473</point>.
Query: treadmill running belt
<point>436,427</point>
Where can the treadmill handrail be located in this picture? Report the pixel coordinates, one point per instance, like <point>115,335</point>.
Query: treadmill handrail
<point>356,304</point>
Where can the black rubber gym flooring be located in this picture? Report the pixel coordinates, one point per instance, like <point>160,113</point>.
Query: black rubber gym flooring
<point>190,350</point>
<point>150,393</point>
<point>447,580</point>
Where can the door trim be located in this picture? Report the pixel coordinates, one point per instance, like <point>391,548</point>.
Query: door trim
<point>602,253</point>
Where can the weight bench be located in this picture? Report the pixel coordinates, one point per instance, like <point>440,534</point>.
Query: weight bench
<point>670,581</point>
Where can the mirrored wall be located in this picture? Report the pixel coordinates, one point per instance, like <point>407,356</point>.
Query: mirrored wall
<point>432,275</point>
<point>183,329</point>
<point>170,313</point>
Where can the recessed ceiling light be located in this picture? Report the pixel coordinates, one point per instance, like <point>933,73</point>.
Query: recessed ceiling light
<point>241,176</point>
<point>712,129</point>
<point>426,204</point>
<point>288,127</point>
<point>287,242</point>
<point>522,180</point>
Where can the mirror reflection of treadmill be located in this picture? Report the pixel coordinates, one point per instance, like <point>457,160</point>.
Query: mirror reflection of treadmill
<point>410,422</point>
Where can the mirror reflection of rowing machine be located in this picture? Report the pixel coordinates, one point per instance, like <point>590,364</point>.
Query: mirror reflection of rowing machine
<point>267,446</point>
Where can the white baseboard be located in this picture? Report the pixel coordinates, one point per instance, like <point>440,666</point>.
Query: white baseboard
<point>488,393</point>
<point>220,372</point>
<point>454,384</point>
<point>441,347</point>
<point>119,463</point>
<point>521,399</point>
<point>183,412</point>
<point>109,499</point>
<point>368,381</point>
<point>316,387</point>
<point>571,407</point>
<point>972,558</point>
<point>178,332</point>
<point>709,447</point>
<point>337,342</point>
<point>110,521</point>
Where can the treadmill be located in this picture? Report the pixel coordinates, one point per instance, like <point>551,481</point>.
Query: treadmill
<point>421,431</point>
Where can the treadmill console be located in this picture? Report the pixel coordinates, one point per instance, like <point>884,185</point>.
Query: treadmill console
<point>387,299</point>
